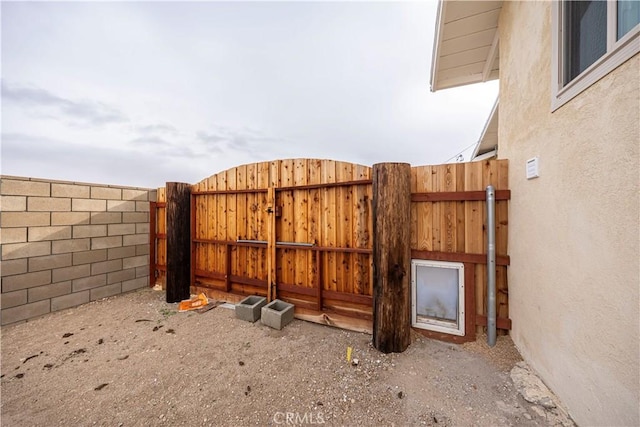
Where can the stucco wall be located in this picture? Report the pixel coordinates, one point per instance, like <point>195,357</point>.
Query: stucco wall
<point>573,238</point>
<point>65,243</point>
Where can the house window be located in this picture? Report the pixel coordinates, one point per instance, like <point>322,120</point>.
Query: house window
<point>590,39</point>
<point>628,12</point>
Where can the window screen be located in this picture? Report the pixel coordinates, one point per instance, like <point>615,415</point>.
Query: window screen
<point>585,35</point>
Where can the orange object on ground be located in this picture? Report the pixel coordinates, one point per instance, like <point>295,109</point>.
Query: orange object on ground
<point>193,303</point>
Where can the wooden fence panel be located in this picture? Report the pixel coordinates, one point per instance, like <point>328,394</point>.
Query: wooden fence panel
<point>328,204</point>
<point>159,262</point>
<point>448,227</point>
<point>311,209</point>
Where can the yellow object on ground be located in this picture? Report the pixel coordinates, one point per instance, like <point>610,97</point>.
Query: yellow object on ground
<point>193,303</point>
<point>349,350</point>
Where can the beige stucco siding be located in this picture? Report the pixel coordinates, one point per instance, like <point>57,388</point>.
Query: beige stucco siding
<point>574,231</point>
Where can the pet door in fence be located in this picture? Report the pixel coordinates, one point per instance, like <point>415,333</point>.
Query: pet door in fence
<point>437,296</point>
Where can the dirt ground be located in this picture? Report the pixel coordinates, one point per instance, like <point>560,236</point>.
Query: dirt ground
<point>133,360</point>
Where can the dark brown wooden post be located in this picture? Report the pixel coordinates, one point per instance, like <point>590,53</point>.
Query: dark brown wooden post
<point>391,257</point>
<point>178,241</point>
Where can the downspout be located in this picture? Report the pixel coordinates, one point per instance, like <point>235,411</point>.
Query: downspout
<point>491,266</point>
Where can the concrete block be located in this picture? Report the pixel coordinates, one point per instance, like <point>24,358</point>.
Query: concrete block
<point>106,193</point>
<point>87,257</point>
<point>13,235</point>
<point>12,299</point>
<point>249,309</point>
<point>10,187</point>
<point>26,280</point>
<point>277,314</point>
<point>26,311</point>
<point>106,266</point>
<point>120,229</point>
<point>58,232</point>
<point>105,291</point>
<point>25,250</point>
<point>142,249</point>
<point>106,218</point>
<point>121,206</point>
<point>128,217</point>
<point>142,228</point>
<point>153,195</point>
<point>25,219</point>
<point>70,273</point>
<point>15,266</point>
<point>106,242</point>
<point>88,283</point>
<point>133,284</point>
<point>130,194</point>
<point>71,300</point>
<point>135,239</point>
<point>50,261</point>
<point>70,190</point>
<point>48,204</point>
<point>80,231</point>
<point>73,245</point>
<point>13,203</point>
<point>88,205</point>
<point>49,291</point>
<point>142,206</point>
<point>123,252</point>
<point>142,271</point>
<point>69,218</point>
<point>121,276</point>
<point>137,261</point>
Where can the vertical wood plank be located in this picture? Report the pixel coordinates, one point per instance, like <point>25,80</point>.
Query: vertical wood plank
<point>153,243</point>
<point>263,218</point>
<point>162,242</point>
<point>437,209</point>
<point>460,211</point>
<point>241,266</point>
<point>271,246</point>
<point>362,233</point>
<point>448,220</point>
<point>470,301</point>
<point>314,215</point>
<point>287,221</point>
<point>302,263</point>
<point>329,224</point>
<point>232,216</point>
<point>211,231</point>
<point>221,220</point>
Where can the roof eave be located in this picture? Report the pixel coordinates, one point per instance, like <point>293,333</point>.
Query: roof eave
<point>442,5</point>
<point>489,12</point>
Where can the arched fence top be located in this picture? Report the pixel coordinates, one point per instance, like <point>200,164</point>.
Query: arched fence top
<point>284,173</point>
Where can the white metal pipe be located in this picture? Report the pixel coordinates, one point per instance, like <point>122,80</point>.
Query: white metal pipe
<point>491,266</point>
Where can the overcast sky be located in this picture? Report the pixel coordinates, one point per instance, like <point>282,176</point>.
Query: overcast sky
<point>148,92</point>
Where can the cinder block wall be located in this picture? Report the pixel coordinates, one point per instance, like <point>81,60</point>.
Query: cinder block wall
<point>64,244</point>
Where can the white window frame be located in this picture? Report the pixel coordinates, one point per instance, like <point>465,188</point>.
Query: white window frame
<point>434,324</point>
<point>618,51</point>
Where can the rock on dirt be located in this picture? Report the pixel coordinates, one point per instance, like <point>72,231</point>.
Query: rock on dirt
<point>534,391</point>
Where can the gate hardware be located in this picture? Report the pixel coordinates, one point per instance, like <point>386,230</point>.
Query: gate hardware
<point>264,242</point>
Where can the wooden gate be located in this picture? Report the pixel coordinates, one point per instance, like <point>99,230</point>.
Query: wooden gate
<point>298,230</point>
<point>301,230</point>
